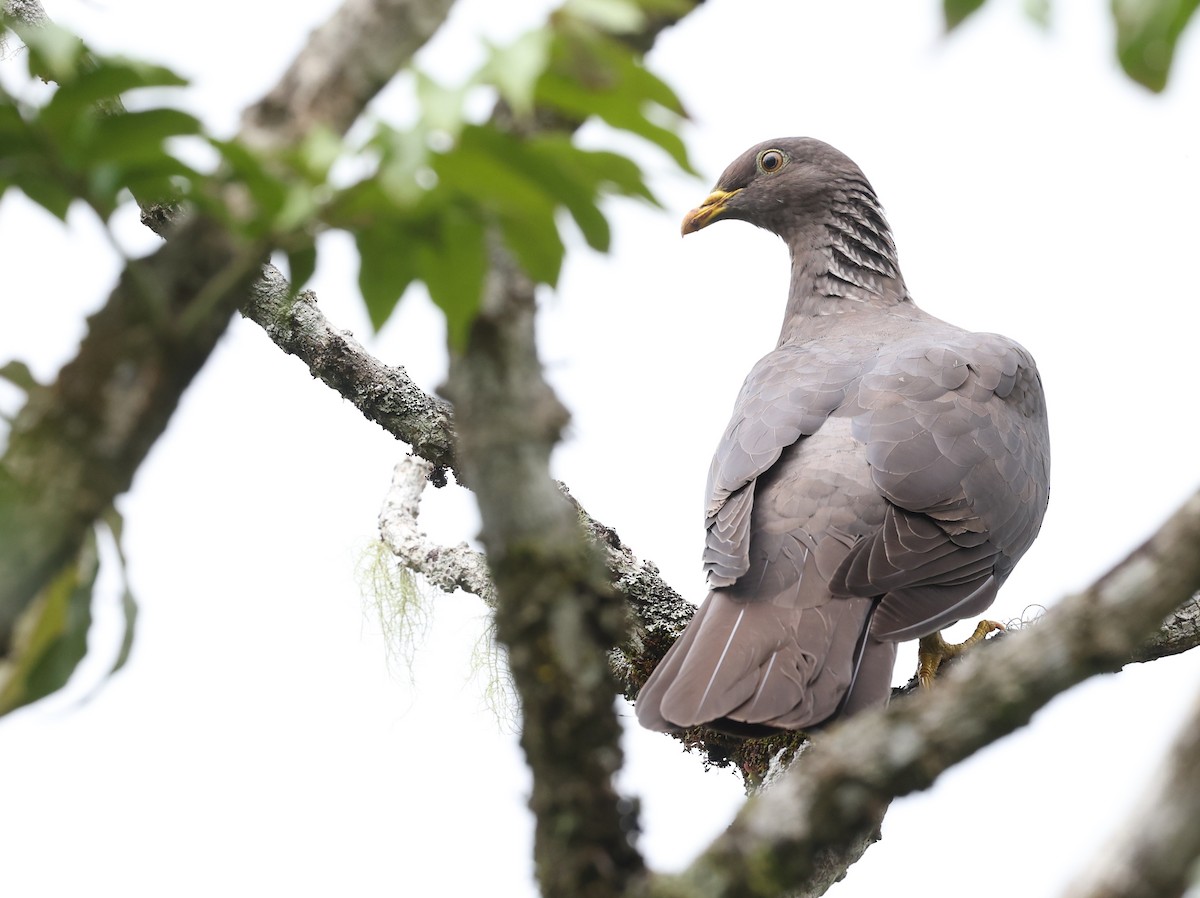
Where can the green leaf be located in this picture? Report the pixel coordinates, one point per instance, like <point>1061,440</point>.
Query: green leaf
<point>268,191</point>
<point>597,76</point>
<point>49,192</point>
<point>441,107</point>
<point>50,638</point>
<point>129,606</point>
<point>317,152</point>
<point>1147,33</point>
<point>138,136</point>
<point>1038,12</point>
<point>613,16</point>
<point>387,265</point>
<point>299,208</point>
<point>955,12</point>
<point>535,243</point>
<point>302,262</point>
<point>18,374</point>
<point>165,180</point>
<point>453,267</point>
<point>494,170</point>
<point>54,53</point>
<point>404,156</point>
<point>104,81</point>
<point>515,69</point>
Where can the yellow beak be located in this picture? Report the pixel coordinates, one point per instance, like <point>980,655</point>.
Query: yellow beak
<point>708,211</point>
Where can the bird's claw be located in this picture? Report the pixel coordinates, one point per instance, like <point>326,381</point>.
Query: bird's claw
<point>933,651</point>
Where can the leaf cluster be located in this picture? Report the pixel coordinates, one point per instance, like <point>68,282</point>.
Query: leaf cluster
<point>439,195</point>
<point>447,190</point>
<point>82,143</point>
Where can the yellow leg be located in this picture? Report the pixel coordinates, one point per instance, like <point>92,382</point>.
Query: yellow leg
<point>933,651</point>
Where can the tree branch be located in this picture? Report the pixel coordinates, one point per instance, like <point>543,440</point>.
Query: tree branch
<point>383,393</point>
<point>345,63</point>
<point>555,614</point>
<point>1155,855</point>
<point>447,568</point>
<point>838,794</point>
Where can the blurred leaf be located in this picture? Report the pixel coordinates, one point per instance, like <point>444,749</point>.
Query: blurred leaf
<point>453,267</point>
<point>441,107</point>
<point>535,243</point>
<point>50,637</point>
<point>104,80</point>
<point>54,53</point>
<point>317,152</point>
<point>613,16</point>
<point>299,208</point>
<point>1039,12</point>
<point>404,156</point>
<point>18,374</point>
<point>49,192</point>
<point>1147,32</point>
<point>387,265</point>
<point>137,136</point>
<point>129,606</point>
<point>596,76</point>
<point>486,168</point>
<point>956,12</point>
<point>267,192</point>
<point>302,262</point>
<point>515,69</point>
<point>164,180</point>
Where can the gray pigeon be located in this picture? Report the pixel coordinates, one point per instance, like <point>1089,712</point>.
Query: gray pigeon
<point>881,475</point>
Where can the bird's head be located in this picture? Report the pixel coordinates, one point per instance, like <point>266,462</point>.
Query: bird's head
<point>779,185</point>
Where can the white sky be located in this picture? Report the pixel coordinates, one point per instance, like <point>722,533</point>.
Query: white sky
<point>259,742</point>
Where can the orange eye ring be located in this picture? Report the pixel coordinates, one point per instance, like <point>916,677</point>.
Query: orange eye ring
<point>771,161</point>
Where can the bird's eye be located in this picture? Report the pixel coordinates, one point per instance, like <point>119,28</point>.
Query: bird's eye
<point>771,161</point>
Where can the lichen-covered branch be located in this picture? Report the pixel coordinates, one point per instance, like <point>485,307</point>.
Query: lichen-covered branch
<point>383,393</point>
<point>1156,852</point>
<point>556,614</point>
<point>838,794</point>
<point>446,567</point>
<point>1180,632</point>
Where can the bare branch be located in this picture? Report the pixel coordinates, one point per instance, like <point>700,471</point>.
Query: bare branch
<point>1155,855</point>
<point>447,568</point>
<point>837,795</point>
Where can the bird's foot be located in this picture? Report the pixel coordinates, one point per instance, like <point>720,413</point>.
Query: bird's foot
<point>933,651</point>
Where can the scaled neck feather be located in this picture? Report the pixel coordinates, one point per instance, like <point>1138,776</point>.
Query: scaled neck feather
<point>843,261</point>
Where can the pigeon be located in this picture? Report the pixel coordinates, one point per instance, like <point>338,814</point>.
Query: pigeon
<point>882,473</point>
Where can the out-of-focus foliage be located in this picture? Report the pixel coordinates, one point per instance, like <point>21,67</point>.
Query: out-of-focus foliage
<point>81,144</point>
<point>1147,31</point>
<point>439,197</point>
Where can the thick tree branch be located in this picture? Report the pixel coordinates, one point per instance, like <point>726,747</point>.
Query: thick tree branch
<point>346,62</point>
<point>555,614</point>
<point>1156,853</point>
<point>76,444</point>
<point>837,795</point>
